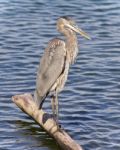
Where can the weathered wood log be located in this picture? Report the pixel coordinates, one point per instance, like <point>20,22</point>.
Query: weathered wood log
<point>26,103</point>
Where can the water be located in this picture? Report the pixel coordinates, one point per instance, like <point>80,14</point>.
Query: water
<point>89,104</point>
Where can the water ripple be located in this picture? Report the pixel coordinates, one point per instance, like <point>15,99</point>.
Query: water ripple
<point>89,104</point>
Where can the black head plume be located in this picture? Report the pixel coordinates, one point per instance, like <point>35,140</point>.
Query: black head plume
<point>66,18</point>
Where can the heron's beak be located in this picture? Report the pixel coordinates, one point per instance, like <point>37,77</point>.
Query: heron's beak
<point>78,30</point>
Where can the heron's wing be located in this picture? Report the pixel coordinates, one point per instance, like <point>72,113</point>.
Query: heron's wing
<point>51,66</point>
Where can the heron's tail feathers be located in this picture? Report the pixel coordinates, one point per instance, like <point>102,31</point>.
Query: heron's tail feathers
<point>39,99</point>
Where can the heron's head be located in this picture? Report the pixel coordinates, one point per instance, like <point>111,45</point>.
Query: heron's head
<point>66,23</point>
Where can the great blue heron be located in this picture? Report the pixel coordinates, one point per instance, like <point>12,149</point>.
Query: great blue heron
<point>54,65</point>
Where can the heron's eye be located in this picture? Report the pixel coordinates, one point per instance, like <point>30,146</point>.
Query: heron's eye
<point>66,18</point>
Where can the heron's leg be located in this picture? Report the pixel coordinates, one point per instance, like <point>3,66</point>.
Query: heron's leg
<point>56,107</point>
<point>53,106</point>
<point>57,111</point>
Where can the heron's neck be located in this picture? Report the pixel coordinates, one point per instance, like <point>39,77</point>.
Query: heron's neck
<point>71,46</point>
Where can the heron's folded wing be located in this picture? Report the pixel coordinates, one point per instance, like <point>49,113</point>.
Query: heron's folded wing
<point>51,66</point>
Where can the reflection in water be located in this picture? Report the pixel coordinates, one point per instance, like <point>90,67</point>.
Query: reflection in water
<point>36,137</point>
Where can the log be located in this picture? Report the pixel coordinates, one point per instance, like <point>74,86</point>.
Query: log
<point>26,103</point>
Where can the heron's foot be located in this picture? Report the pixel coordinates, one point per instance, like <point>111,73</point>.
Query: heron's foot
<point>59,128</point>
<point>57,122</point>
<point>58,125</point>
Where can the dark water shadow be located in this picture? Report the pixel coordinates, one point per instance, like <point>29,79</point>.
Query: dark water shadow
<point>30,132</point>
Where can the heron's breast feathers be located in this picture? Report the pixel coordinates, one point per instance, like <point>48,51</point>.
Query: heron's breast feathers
<point>56,46</point>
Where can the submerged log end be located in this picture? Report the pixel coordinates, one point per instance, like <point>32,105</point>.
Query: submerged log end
<point>26,103</point>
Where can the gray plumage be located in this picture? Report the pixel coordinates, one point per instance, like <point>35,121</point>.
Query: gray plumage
<point>54,65</point>
<point>51,68</point>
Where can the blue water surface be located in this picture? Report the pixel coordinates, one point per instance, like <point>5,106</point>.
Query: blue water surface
<point>90,102</point>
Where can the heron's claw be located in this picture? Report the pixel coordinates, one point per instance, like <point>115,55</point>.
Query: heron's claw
<point>58,127</point>
<point>57,122</point>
